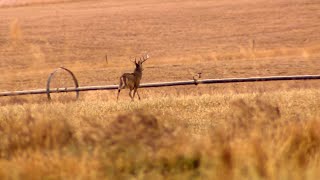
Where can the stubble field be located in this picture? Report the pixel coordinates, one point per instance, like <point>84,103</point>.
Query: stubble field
<point>240,131</point>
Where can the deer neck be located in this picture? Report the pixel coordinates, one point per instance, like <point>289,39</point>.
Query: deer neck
<point>138,73</point>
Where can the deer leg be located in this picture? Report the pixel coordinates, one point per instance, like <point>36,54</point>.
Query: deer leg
<point>134,92</point>
<point>130,94</point>
<point>138,94</point>
<point>119,88</point>
<point>118,94</point>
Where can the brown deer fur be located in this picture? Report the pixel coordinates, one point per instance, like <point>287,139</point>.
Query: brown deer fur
<point>132,80</point>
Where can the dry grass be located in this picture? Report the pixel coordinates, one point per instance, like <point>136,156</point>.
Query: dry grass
<point>235,131</point>
<point>240,136</point>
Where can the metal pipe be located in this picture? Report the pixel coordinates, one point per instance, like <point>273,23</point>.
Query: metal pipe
<point>52,75</point>
<point>231,80</point>
<point>163,84</point>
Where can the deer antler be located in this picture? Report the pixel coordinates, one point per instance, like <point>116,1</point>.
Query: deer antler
<point>145,58</point>
<point>135,60</point>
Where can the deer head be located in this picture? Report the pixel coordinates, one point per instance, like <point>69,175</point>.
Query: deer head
<point>140,62</point>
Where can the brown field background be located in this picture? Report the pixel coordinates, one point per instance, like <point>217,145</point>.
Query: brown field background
<point>182,37</point>
<point>227,131</point>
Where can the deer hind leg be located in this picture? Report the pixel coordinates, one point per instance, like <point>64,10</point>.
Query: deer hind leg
<point>121,86</point>
<point>118,94</point>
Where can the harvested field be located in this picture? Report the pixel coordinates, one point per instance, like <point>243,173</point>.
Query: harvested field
<point>233,131</point>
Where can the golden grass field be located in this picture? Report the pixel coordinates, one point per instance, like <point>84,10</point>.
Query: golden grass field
<point>227,131</point>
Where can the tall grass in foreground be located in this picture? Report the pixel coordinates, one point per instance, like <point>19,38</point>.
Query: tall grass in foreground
<point>238,136</point>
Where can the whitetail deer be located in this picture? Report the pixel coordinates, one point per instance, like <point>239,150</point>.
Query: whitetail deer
<point>132,80</point>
